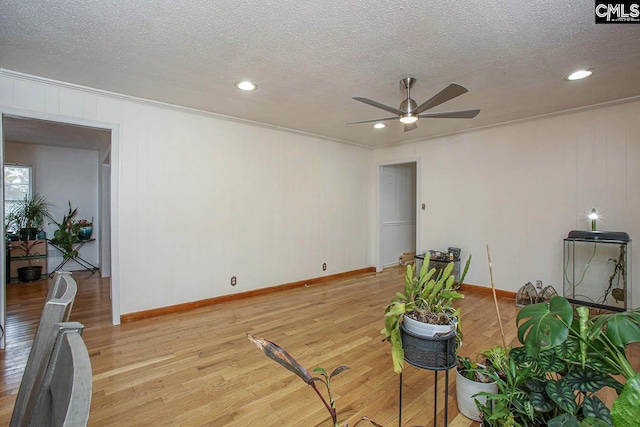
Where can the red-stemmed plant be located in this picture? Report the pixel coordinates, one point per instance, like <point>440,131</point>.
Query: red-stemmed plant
<point>279,355</point>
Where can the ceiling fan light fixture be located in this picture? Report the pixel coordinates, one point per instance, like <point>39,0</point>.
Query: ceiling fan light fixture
<point>379,126</point>
<point>408,119</point>
<point>246,85</point>
<point>578,75</point>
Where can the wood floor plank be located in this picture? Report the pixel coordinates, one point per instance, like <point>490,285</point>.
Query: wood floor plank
<point>197,368</point>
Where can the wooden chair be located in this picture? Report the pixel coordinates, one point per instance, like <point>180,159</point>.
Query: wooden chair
<point>64,397</point>
<point>57,306</point>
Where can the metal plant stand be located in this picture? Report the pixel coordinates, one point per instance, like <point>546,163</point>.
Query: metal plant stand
<point>434,354</point>
<point>83,262</point>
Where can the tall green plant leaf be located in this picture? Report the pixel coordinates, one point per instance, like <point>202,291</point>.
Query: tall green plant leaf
<point>560,392</point>
<point>594,407</point>
<point>625,411</point>
<point>542,326</point>
<point>621,328</point>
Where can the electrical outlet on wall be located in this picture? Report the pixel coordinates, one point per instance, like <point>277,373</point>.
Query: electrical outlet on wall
<point>234,281</point>
<point>324,267</point>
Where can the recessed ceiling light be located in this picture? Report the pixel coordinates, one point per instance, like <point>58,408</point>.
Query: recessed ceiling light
<point>580,74</point>
<point>246,85</point>
<point>379,126</point>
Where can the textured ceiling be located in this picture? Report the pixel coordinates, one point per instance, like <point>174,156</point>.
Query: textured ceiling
<point>310,58</point>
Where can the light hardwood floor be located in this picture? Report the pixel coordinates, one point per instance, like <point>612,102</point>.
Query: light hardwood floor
<point>198,368</point>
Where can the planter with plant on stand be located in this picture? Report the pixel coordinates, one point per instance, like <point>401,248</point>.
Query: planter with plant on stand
<point>412,323</point>
<point>70,236</point>
<point>27,219</point>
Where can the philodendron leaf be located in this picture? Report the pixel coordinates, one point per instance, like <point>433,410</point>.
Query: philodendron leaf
<point>549,362</point>
<point>594,422</point>
<point>542,326</point>
<point>541,402</point>
<point>621,328</point>
<point>562,394</point>
<point>625,411</point>
<point>595,408</point>
<point>564,420</point>
<point>587,380</point>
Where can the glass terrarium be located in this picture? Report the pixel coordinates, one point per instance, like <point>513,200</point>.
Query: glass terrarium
<point>595,269</point>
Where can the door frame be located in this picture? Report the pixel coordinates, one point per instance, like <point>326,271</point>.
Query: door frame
<point>378,249</point>
<point>114,188</point>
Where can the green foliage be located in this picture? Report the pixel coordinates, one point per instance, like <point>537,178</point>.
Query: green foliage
<point>625,411</point>
<point>66,236</point>
<point>422,294</point>
<point>29,213</point>
<point>25,215</point>
<point>544,325</point>
<point>592,351</point>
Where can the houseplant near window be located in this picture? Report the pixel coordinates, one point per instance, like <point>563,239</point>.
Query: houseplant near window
<point>66,236</point>
<point>425,299</point>
<point>27,218</point>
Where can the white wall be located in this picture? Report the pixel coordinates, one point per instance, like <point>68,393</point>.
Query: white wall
<point>522,187</point>
<point>63,175</point>
<point>201,199</point>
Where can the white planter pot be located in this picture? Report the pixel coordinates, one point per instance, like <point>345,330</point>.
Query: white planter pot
<point>425,329</point>
<point>465,389</point>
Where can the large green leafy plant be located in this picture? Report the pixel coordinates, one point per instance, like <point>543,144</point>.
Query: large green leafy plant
<point>577,356</point>
<point>427,297</point>
<point>66,236</point>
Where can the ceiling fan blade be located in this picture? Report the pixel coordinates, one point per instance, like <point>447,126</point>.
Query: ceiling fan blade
<point>446,94</point>
<point>379,105</point>
<point>373,121</point>
<point>463,114</point>
<point>410,127</point>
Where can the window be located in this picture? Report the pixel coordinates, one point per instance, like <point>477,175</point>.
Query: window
<point>18,184</point>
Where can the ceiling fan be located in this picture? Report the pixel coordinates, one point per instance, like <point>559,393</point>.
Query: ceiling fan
<point>409,112</point>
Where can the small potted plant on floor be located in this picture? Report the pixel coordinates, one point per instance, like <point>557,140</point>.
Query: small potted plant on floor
<point>472,378</point>
<point>27,218</point>
<point>425,308</point>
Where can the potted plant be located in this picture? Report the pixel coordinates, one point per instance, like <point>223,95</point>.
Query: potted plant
<point>472,379</point>
<point>594,347</point>
<point>279,355</point>
<point>565,360</point>
<point>66,236</point>
<point>27,218</point>
<point>425,308</point>
<point>85,229</point>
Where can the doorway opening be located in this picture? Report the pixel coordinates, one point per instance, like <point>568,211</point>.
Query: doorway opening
<point>398,214</point>
<point>72,163</point>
